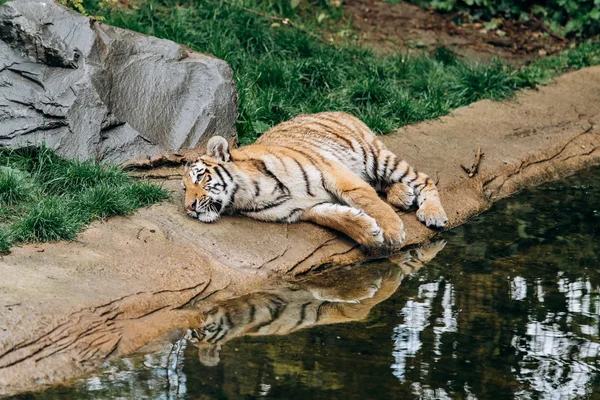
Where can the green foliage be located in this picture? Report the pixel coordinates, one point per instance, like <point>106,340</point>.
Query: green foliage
<point>47,198</point>
<point>495,82</point>
<point>574,18</point>
<point>5,241</point>
<point>78,5</point>
<point>49,219</point>
<point>143,194</point>
<point>104,200</point>
<point>283,71</point>
<point>15,187</point>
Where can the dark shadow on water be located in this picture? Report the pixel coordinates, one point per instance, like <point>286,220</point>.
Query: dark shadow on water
<point>509,309</point>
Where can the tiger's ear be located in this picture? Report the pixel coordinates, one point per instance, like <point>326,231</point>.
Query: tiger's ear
<point>218,148</point>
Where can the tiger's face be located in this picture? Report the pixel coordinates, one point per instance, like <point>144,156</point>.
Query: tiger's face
<point>208,184</point>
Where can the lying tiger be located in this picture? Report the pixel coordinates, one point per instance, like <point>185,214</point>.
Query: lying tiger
<point>325,168</point>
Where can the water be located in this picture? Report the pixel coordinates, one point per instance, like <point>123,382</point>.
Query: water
<point>510,308</point>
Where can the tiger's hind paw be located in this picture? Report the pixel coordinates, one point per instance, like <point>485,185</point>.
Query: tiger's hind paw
<point>432,215</point>
<point>401,195</point>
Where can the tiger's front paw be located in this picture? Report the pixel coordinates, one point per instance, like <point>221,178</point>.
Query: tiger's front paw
<point>427,252</point>
<point>368,233</point>
<point>432,215</point>
<point>393,232</point>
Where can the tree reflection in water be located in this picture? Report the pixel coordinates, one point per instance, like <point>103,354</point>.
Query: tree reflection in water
<point>509,309</point>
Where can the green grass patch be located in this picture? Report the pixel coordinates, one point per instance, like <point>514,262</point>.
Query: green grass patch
<point>44,197</point>
<point>280,70</point>
<point>15,187</point>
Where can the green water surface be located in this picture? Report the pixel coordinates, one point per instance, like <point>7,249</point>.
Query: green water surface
<point>510,308</point>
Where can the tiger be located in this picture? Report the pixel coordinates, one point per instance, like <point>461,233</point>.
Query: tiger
<point>339,296</point>
<point>325,168</point>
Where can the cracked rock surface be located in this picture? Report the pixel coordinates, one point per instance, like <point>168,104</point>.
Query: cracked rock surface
<point>64,307</point>
<point>89,90</point>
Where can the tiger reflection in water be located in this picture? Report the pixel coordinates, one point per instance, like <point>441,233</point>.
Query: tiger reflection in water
<point>343,295</point>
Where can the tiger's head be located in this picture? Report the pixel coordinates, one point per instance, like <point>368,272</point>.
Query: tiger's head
<point>209,185</point>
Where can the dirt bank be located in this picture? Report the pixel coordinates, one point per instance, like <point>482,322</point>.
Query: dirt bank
<point>387,27</point>
<point>64,307</point>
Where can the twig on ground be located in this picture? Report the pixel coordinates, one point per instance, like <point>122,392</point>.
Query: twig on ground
<point>471,172</point>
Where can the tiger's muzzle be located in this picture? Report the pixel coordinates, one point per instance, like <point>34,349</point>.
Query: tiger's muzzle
<point>205,209</point>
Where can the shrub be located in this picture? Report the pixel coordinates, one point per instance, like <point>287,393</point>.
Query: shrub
<point>573,18</point>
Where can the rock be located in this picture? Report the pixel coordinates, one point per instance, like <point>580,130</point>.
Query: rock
<point>89,90</point>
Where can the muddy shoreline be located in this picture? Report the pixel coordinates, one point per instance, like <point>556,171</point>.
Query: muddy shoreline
<point>65,307</point>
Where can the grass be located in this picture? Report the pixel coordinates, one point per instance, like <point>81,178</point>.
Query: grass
<point>281,71</point>
<point>44,197</point>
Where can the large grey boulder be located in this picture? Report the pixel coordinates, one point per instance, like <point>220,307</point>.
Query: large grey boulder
<point>89,90</point>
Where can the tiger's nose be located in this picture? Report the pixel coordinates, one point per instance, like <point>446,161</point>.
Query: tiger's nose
<point>192,206</point>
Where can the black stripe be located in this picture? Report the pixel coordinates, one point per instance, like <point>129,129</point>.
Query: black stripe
<point>305,176</point>
<point>348,138</point>
<point>289,215</point>
<point>223,329</point>
<point>256,188</point>
<point>233,193</point>
<point>302,314</point>
<point>228,319</point>
<point>329,130</point>
<point>252,313</point>
<point>220,175</point>
<point>423,183</point>
<point>318,317</point>
<point>262,167</point>
<point>404,173</point>
<point>219,338</point>
<point>295,210</point>
<point>275,313</point>
<point>409,181</point>
<point>280,160</point>
<point>227,173</point>
<point>267,205</point>
<point>261,325</point>
<point>315,163</point>
<point>396,163</point>
<point>219,331</point>
<point>357,130</point>
<point>351,126</point>
<point>385,165</point>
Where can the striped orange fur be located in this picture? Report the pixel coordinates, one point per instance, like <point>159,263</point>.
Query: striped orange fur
<point>325,168</point>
